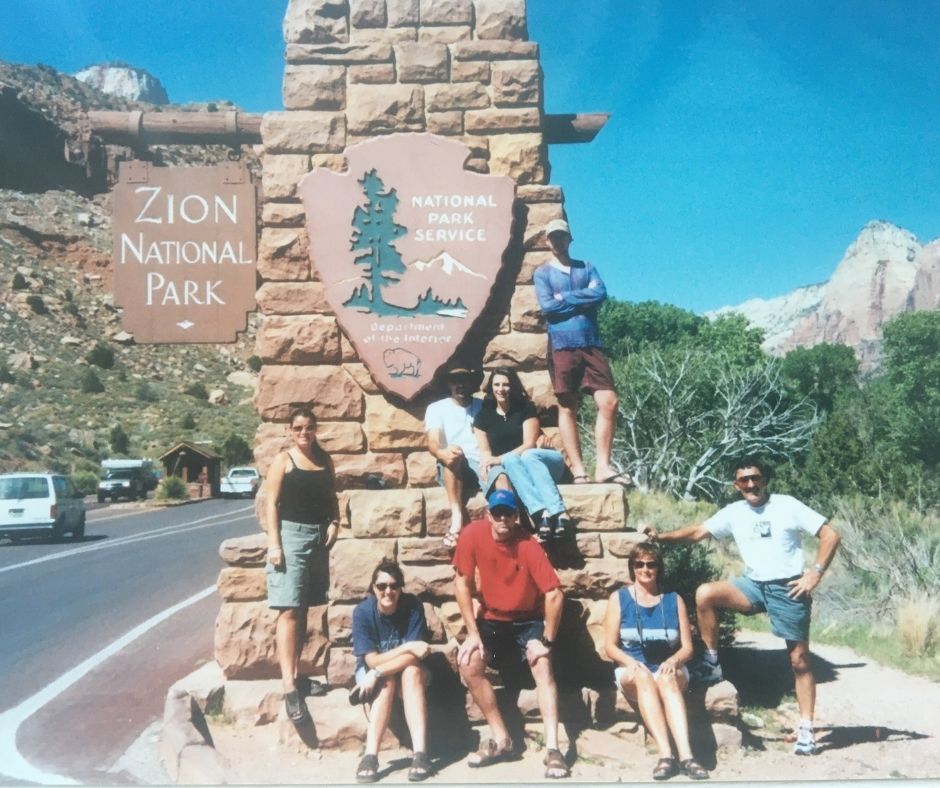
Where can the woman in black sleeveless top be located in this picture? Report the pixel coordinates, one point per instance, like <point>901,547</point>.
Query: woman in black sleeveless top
<point>301,519</point>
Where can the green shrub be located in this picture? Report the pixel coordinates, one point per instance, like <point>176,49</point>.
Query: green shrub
<point>5,375</point>
<point>146,393</point>
<point>235,450</point>
<point>197,390</point>
<point>172,488</point>
<point>91,383</point>
<point>101,355</point>
<point>36,303</point>
<point>85,482</point>
<point>188,422</point>
<point>254,363</point>
<point>120,441</point>
<point>19,281</point>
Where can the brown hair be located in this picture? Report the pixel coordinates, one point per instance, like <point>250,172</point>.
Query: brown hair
<point>646,548</point>
<point>390,568</point>
<point>302,411</point>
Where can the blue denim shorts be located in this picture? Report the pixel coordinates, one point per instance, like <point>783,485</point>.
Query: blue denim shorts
<point>789,618</point>
<point>291,584</point>
<point>505,641</point>
<point>470,475</point>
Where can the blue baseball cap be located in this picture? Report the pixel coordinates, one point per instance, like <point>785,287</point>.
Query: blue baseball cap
<point>502,498</point>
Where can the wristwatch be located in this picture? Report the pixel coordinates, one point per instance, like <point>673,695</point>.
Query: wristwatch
<point>546,642</point>
<point>819,568</point>
<point>376,673</point>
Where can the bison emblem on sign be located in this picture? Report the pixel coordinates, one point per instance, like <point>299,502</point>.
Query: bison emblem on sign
<point>400,363</point>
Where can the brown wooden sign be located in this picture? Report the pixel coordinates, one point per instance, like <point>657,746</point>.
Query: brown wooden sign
<point>408,244</point>
<point>184,251</point>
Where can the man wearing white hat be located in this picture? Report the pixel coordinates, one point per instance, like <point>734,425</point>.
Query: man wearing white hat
<point>569,293</point>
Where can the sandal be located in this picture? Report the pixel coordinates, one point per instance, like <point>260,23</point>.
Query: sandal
<point>490,752</point>
<point>565,528</point>
<point>310,688</point>
<point>582,478</point>
<point>420,768</point>
<point>622,479</point>
<point>665,768</point>
<point>450,540</point>
<point>368,769</point>
<point>554,763</point>
<point>295,707</point>
<point>693,769</point>
<point>546,530</point>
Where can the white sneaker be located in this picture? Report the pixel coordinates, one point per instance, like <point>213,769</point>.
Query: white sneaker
<point>705,672</point>
<point>805,741</point>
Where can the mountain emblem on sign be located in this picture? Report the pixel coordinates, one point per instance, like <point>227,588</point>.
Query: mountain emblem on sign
<point>408,245</point>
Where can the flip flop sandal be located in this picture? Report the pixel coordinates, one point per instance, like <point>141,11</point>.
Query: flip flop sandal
<point>546,532</point>
<point>582,478</point>
<point>490,752</point>
<point>368,769</point>
<point>618,478</point>
<point>665,768</point>
<point>693,769</point>
<point>421,768</point>
<point>555,762</point>
<point>295,707</point>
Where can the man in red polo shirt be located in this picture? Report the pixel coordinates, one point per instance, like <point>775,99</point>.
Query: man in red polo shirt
<point>521,602</point>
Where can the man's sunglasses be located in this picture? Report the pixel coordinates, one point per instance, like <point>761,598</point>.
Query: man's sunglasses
<point>756,477</point>
<point>387,586</point>
<point>645,564</point>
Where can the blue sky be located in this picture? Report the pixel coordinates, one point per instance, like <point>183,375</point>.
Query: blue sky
<point>750,140</point>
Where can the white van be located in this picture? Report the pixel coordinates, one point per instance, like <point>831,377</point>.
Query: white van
<point>38,504</point>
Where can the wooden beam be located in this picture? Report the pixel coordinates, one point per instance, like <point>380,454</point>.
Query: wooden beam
<point>566,129</point>
<point>240,128</point>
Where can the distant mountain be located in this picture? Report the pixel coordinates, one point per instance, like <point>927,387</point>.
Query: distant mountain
<point>124,81</point>
<point>446,264</point>
<point>885,271</point>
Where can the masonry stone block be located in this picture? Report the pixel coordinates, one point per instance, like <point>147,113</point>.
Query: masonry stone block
<point>429,550</point>
<point>436,511</point>
<point>386,513</point>
<point>280,174</point>
<point>530,193</point>
<point>422,62</point>
<point>539,385</point>
<point>298,339</point>
<point>351,564</point>
<point>422,469</point>
<point>391,427</point>
<point>282,214</point>
<point>446,12</point>
<point>242,584</point>
<point>339,624</point>
<point>523,351</point>
<point>357,470</point>
<point>495,50</point>
<point>372,74</point>
<point>368,13</point>
<point>379,109</point>
<point>524,311</point>
<point>493,121</point>
<point>589,545</point>
<point>621,545</point>
<point>463,95</point>
<point>446,123</point>
<point>362,376</point>
<point>403,13</point>
<point>303,131</point>
<point>431,581</point>
<point>340,54</point>
<point>445,35</point>
<point>435,626</point>
<point>330,391</point>
<point>316,22</point>
<point>470,71</point>
<point>314,87</point>
<point>517,83</point>
<point>271,438</point>
<point>599,507</point>
<point>341,672</point>
<point>385,35</point>
<point>531,261</point>
<point>540,214</point>
<point>251,703</point>
<point>251,550</point>
<point>282,254</point>
<point>329,161</point>
<point>292,298</point>
<point>500,19</point>
<point>595,580</point>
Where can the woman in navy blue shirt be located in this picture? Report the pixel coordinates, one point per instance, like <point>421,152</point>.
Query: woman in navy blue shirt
<point>390,636</point>
<point>649,638</point>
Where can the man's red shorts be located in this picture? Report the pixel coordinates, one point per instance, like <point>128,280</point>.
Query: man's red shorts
<point>580,370</point>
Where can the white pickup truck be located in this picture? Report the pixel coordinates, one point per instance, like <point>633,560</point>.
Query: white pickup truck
<point>240,483</point>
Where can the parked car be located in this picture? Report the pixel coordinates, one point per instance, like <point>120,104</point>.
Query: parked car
<point>37,504</point>
<point>240,482</point>
<point>127,483</point>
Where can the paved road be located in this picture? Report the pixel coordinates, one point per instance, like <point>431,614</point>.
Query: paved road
<point>66,708</point>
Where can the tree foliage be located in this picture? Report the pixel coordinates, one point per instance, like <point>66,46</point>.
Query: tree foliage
<point>119,439</point>
<point>236,451</point>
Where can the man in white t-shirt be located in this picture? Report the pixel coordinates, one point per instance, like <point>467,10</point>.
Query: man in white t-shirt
<point>449,425</point>
<point>768,531</point>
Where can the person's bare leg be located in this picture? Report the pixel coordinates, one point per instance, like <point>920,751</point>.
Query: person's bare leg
<point>607,404</point>
<point>380,713</point>
<point>546,691</point>
<point>803,679</point>
<point>568,430</point>
<point>301,634</point>
<point>710,598</point>
<point>416,712</point>
<point>670,691</point>
<point>453,486</point>
<point>482,692</point>
<point>286,640</point>
<point>642,688</point>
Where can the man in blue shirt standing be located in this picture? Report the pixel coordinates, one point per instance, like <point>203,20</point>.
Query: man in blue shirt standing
<point>569,293</point>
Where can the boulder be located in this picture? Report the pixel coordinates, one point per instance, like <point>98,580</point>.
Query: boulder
<point>253,703</point>
<point>218,397</point>
<point>206,685</point>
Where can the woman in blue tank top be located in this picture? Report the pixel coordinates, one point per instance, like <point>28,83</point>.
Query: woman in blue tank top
<point>649,638</point>
<point>301,519</point>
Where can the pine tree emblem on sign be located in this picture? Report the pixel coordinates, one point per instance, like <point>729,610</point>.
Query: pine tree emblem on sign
<point>408,245</point>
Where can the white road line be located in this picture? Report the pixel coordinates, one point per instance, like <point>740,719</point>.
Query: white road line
<point>167,530</point>
<point>14,764</point>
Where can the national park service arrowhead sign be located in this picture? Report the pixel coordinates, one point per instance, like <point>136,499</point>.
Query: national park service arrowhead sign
<point>408,245</point>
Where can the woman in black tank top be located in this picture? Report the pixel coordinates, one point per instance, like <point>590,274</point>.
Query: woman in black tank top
<point>301,520</point>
